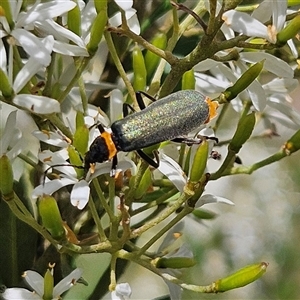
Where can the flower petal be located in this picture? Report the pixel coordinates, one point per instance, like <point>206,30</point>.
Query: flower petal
<point>43,11</point>
<point>35,280</point>
<point>173,171</point>
<point>51,138</point>
<point>59,32</point>
<point>19,294</point>
<point>132,21</point>
<point>116,103</point>
<point>245,24</point>
<point>31,67</point>
<point>257,95</point>
<point>37,104</point>
<point>58,160</point>
<point>69,50</point>
<point>278,13</point>
<point>9,132</point>
<point>122,291</point>
<point>281,85</point>
<point>3,61</point>
<point>32,46</point>
<point>50,187</point>
<point>124,4</point>
<point>272,63</point>
<point>105,168</point>
<point>80,194</point>
<point>281,106</point>
<point>208,198</point>
<point>66,283</point>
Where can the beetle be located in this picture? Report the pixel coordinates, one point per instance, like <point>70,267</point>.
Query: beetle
<point>169,118</point>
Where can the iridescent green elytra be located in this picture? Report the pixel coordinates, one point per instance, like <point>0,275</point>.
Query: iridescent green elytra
<point>170,117</point>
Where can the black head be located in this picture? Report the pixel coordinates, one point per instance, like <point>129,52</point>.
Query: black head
<point>98,152</point>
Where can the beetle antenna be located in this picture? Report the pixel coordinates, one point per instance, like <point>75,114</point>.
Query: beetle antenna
<point>179,6</point>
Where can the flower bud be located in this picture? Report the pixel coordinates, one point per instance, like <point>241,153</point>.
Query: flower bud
<point>5,11</point>
<point>100,5</point>
<point>75,159</point>
<point>48,285</point>
<point>5,87</point>
<point>293,2</point>
<point>188,80</point>
<point>199,162</point>
<point>244,81</point>
<point>289,31</point>
<point>144,185</point>
<point>243,132</point>
<point>174,262</point>
<point>151,59</point>
<point>6,177</point>
<point>204,214</point>
<point>293,144</point>
<point>97,30</point>
<point>139,69</point>
<point>51,217</point>
<point>240,278</point>
<point>81,139</point>
<point>74,20</point>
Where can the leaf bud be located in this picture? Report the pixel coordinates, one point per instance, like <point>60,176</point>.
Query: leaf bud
<point>244,81</point>
<point>174,262</point>
<point>51,218</point>
<point>240,278</point>
<point>6,177</point>
<point>199,162</point>
<point>243,132</point>
<point>288,31</point>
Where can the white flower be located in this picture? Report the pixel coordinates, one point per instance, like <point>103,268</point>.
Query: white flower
<point>39,17</point>
<point>251,26</point>
<point>130,14</point>
<point>38,283</point>
<point>10,142</point>
<point>171,169</point>
<point>81,191</point>
<point>122,292</point>
<point>224,76</point>
<point>59,160</point>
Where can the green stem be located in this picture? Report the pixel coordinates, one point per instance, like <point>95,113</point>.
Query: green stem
<point>249,170</point>
<point>118,64</point>
<point>113,281</point>
<point>81,67</point>
<point>84,99</point>
<point>221,116</point>
<point>57,122</point>
<point>97,220</point>
<point>147,264</point>
<point>182,199</point>
<point>186,210</point>
<point>30,221</point>
<point>50,70</point>
<point>156,202</point>
<point>114,224</point>
<point>141,170</point>
<point>102,199</point>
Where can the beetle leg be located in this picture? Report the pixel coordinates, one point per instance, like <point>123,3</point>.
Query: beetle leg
<point>148,159</point>
<point>187,140</point>
<point>192,141</point>
<point>140,100</point>
<point>114,166</point>
<point>126,108</point>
